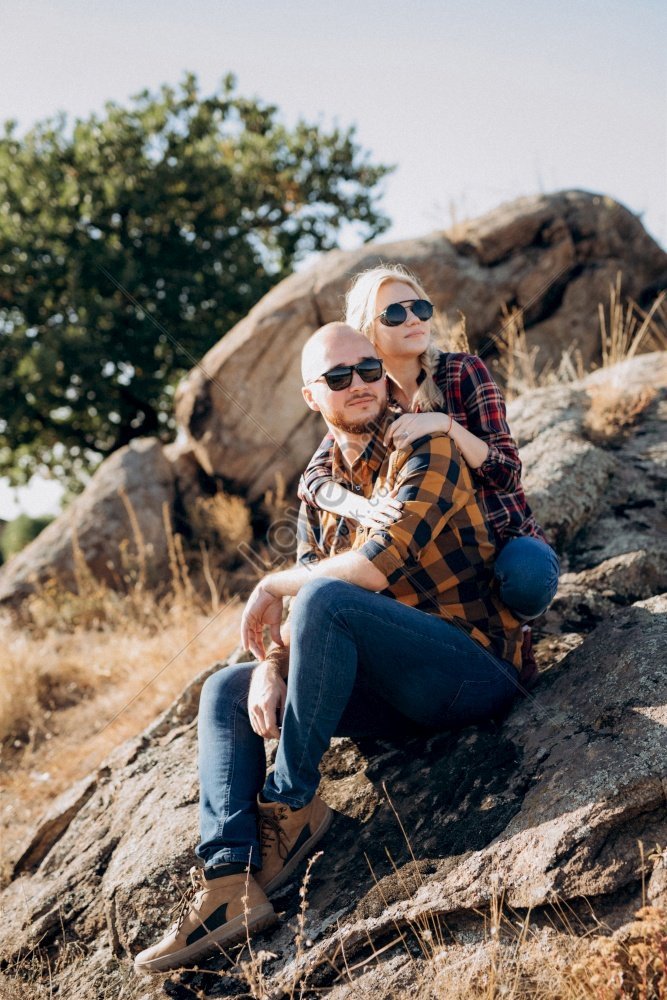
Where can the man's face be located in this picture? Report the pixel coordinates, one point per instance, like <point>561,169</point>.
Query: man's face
<point>357,409</point>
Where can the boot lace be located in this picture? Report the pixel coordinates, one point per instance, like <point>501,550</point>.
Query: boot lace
<point>181,908</point>
<point>271,831</point>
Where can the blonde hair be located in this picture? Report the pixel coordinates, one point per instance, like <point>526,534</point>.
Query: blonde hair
<point>360,314</point>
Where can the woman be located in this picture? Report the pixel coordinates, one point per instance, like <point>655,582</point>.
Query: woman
<point>451,393</point>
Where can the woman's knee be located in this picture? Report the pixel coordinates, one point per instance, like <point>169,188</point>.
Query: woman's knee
<point>527,571</point>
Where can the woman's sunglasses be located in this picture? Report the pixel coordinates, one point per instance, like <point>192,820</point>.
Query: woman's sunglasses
<point>396,313</point>
<point>340,377</point>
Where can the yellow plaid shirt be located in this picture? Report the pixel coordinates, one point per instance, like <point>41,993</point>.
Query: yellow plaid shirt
<point>438,556</point>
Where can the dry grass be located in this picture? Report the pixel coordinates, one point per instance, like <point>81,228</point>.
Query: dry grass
<point>517,362</point>
<point>68,698</point>
<point>450,336</point>
<point>518,961</point>
<point>222,521</point>
<point>550,955</point>
<point>614,409</point>
<point>624,329</point>
<point>85,668</point>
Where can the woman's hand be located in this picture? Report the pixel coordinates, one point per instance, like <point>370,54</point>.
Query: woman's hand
<point>377,512</point>
<point>263,608</point>
<point>266,700</point>
<point>410,426</point>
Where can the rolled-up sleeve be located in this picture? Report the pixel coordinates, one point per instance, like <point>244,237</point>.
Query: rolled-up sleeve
<point>433,486</point>
<point>308,536</point>
<point>318,472</point>
<point>487,419</point>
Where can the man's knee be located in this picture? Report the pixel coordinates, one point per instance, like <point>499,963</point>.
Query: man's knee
<point>321,596</point>
<point>224,688</point>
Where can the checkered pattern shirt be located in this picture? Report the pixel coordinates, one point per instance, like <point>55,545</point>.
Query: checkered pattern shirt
<point>474,400</point>
<point>438,556</point>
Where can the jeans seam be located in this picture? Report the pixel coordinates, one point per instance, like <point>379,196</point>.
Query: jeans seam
<point>469,683</point>
<point>437,642</point>
<point>228,790</point>
<point>319,692</point>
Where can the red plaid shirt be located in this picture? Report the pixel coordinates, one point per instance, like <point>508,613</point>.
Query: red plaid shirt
<point>474,400</point>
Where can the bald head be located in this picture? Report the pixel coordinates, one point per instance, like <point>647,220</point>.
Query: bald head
<point>331,345</point>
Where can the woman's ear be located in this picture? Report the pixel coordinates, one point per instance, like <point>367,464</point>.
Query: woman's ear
<point>308,396</point>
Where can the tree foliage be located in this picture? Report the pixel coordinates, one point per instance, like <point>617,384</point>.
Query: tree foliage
<point>130,242</point>
<point>16,534</point>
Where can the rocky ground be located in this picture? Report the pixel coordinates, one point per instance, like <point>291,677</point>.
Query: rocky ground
<point>545,808</point>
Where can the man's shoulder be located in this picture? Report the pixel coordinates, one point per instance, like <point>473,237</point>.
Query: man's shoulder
<point>429,450</point>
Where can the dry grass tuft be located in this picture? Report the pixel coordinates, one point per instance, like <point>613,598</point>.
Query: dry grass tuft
<point>614,409</point>
<point>451,336</point>
<point>625,329</point>
<point>631,963</point>
<point>517,362</point>
<point>222,521</point>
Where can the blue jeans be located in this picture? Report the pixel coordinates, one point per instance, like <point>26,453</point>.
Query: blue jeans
<point>527,570</point>
<point>356,659</point>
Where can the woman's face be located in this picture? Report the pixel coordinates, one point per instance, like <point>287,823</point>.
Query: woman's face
<point>411,338</point>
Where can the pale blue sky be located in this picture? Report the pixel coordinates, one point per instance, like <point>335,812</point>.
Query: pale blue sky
<point>476,102</point>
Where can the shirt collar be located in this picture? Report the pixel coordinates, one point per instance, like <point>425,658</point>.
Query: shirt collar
<point>370,459</point>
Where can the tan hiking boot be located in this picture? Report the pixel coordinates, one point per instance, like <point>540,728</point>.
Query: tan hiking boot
<point>212,913</point>
<point>287,836</point>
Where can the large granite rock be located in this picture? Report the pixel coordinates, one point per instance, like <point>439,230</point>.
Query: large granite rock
<point>114,528</point>
<point>553,256</point>
<point>243,421</point>
<point>546,807</point>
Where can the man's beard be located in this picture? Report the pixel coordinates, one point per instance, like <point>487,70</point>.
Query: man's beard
<point>369,425</point>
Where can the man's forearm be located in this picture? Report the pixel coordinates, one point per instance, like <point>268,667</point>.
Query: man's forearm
<point>277,659</point>
<point>351,567</point>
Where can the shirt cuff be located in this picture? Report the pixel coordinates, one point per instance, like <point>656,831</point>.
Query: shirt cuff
<point>310,489</point>
<point>386,557</point>
<point>493,459</point>
<point>306,558</point>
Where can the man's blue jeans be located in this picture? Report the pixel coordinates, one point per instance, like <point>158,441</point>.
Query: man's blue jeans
<point>356,658</point>
<point>527,571</point>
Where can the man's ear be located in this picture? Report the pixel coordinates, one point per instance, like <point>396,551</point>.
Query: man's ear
<point>308,396</point>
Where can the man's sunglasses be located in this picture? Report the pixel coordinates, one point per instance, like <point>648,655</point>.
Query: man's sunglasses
<point>396,313</point>
<point>340,377</point>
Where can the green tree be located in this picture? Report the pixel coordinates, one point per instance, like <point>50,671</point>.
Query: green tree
<point>132,241</point>
<point>17,533</point>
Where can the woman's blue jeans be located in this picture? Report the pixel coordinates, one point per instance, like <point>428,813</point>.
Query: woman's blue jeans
<point>359,661</point>
<point>527,570</point>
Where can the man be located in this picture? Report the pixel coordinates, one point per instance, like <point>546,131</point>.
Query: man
<point>403,623</point>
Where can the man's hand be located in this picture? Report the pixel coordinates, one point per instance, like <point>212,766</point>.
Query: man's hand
<point>263,608</point>
<point>266,700</point>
